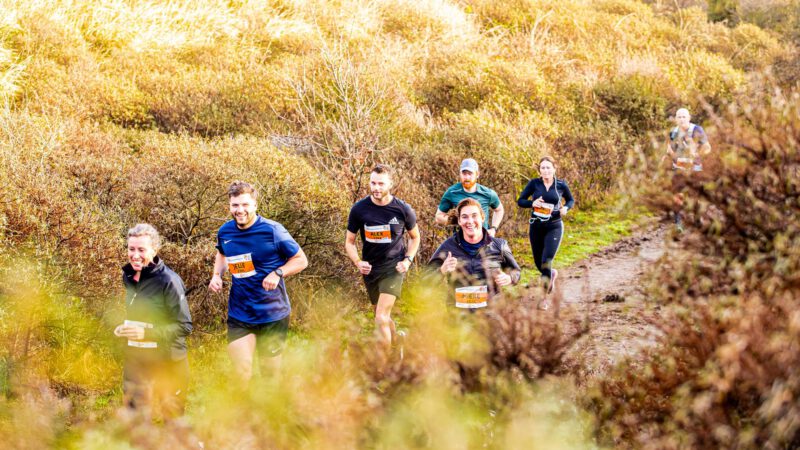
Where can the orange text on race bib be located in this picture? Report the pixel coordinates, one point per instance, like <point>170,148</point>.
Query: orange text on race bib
<point>378,234</point>
<point>472,297</point>
<point>543,211</point>
<point>684,163</point>
<point>241,266</point>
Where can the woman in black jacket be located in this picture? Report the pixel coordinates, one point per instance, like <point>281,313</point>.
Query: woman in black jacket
<point>157,323</point>
<point>550,199</point>
<point>474,261</point>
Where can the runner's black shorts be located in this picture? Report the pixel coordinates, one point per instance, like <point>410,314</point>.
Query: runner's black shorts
<point>390,283</point>
<point>270,336</point>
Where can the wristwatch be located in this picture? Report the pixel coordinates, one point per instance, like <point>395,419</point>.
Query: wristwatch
<point>409,258</point>
<point>279,272</point>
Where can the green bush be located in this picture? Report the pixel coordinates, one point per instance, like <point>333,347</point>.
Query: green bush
<point>724,11</point>
<point>635,101</point>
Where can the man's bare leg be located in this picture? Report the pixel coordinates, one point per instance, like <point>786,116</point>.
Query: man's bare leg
<point>384,325</point>
<point>241,352</point>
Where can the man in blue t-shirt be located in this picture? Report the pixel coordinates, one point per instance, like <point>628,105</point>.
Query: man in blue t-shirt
<point>381,220</point>
<point>469,188</point>
<point>259,253</point>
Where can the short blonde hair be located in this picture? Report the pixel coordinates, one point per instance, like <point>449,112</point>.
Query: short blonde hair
<point>145,229</point>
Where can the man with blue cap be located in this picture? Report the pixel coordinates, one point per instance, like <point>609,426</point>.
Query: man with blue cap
<point>469,188</point>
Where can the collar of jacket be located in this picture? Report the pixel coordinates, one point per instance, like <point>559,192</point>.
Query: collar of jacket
<point>149,271</point>
<point>460,237</point>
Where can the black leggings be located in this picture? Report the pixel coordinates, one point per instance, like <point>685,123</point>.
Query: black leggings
<point>545,239</point>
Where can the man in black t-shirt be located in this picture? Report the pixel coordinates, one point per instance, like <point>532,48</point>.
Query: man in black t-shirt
<point>382,220</point>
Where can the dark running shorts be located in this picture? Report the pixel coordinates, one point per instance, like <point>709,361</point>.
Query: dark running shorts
<point>270,336</point>
<point>387,283</point>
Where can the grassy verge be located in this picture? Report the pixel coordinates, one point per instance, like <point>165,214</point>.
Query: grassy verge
<point>586,232</point>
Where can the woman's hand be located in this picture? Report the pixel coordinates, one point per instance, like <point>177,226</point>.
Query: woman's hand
<point>563,211</point>
<point>538,202</point>
<point>130,332</point>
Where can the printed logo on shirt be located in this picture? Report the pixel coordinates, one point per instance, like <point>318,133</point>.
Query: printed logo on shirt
<point>378,234</point>
<point>394,221</point>
<point>241,266</point>
<point>471,297</point>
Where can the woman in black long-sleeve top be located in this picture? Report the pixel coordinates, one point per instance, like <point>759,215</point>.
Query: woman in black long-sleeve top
<point>550,199</point>
<point>157,323</point>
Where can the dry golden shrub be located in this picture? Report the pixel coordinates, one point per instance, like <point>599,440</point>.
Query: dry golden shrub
<point>723,375</point>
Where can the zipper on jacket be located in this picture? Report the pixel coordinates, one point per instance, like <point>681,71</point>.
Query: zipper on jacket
<point>135,292</point>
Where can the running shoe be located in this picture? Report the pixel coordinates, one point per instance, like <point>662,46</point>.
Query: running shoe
<point>400,342</point>
<point>553,276</point>
<point>544,304</point>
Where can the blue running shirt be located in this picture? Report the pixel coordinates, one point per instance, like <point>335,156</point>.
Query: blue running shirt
<point>251,255</point>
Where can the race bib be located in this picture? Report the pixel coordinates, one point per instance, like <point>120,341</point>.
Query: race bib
<point>378,234</point>
<point>140,344</point>
<point>241,266</point>
<point>684,163</point>
<point>544,211</point>
<point>471,297</point>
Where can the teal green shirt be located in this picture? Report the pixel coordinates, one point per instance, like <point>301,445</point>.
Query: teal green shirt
<point>486,197</point>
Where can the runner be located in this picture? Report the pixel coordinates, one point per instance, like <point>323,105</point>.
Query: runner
<point>469,188</point>
<point>260,253</point>
<point>687,144</point>
<point>382,219</point>
<point>546,228</point>
<point>474,261</point>
<point>156,325</point>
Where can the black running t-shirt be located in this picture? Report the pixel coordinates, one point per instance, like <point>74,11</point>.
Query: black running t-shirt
<point>381,229</point>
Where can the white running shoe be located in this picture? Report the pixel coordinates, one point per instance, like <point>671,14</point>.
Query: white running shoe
<point>553,276</point>
<point>400,338</point>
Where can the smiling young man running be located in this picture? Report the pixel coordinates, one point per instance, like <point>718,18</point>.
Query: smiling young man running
<point>382,220</point>
<point>259,253</point>
<point>475,264</point>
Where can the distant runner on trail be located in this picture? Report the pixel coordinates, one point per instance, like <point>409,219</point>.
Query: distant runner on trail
<point>473,261</point>
<point>687,145</point>
<point>382,221</point>
<point>259,253</point>
<point>470,188</point>
<point>550,199</point>
<point>157,321</point>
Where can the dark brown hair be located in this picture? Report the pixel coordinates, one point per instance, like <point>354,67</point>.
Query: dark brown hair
<point>238,188</point>
<point>383,168</point>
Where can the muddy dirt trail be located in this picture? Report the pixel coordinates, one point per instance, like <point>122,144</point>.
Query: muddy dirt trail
<point>606,287</point>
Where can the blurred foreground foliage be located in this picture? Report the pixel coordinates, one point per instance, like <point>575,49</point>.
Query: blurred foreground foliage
<point>723,376</point>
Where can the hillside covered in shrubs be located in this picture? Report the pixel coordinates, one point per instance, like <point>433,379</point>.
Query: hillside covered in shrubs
<point>117,112</point>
